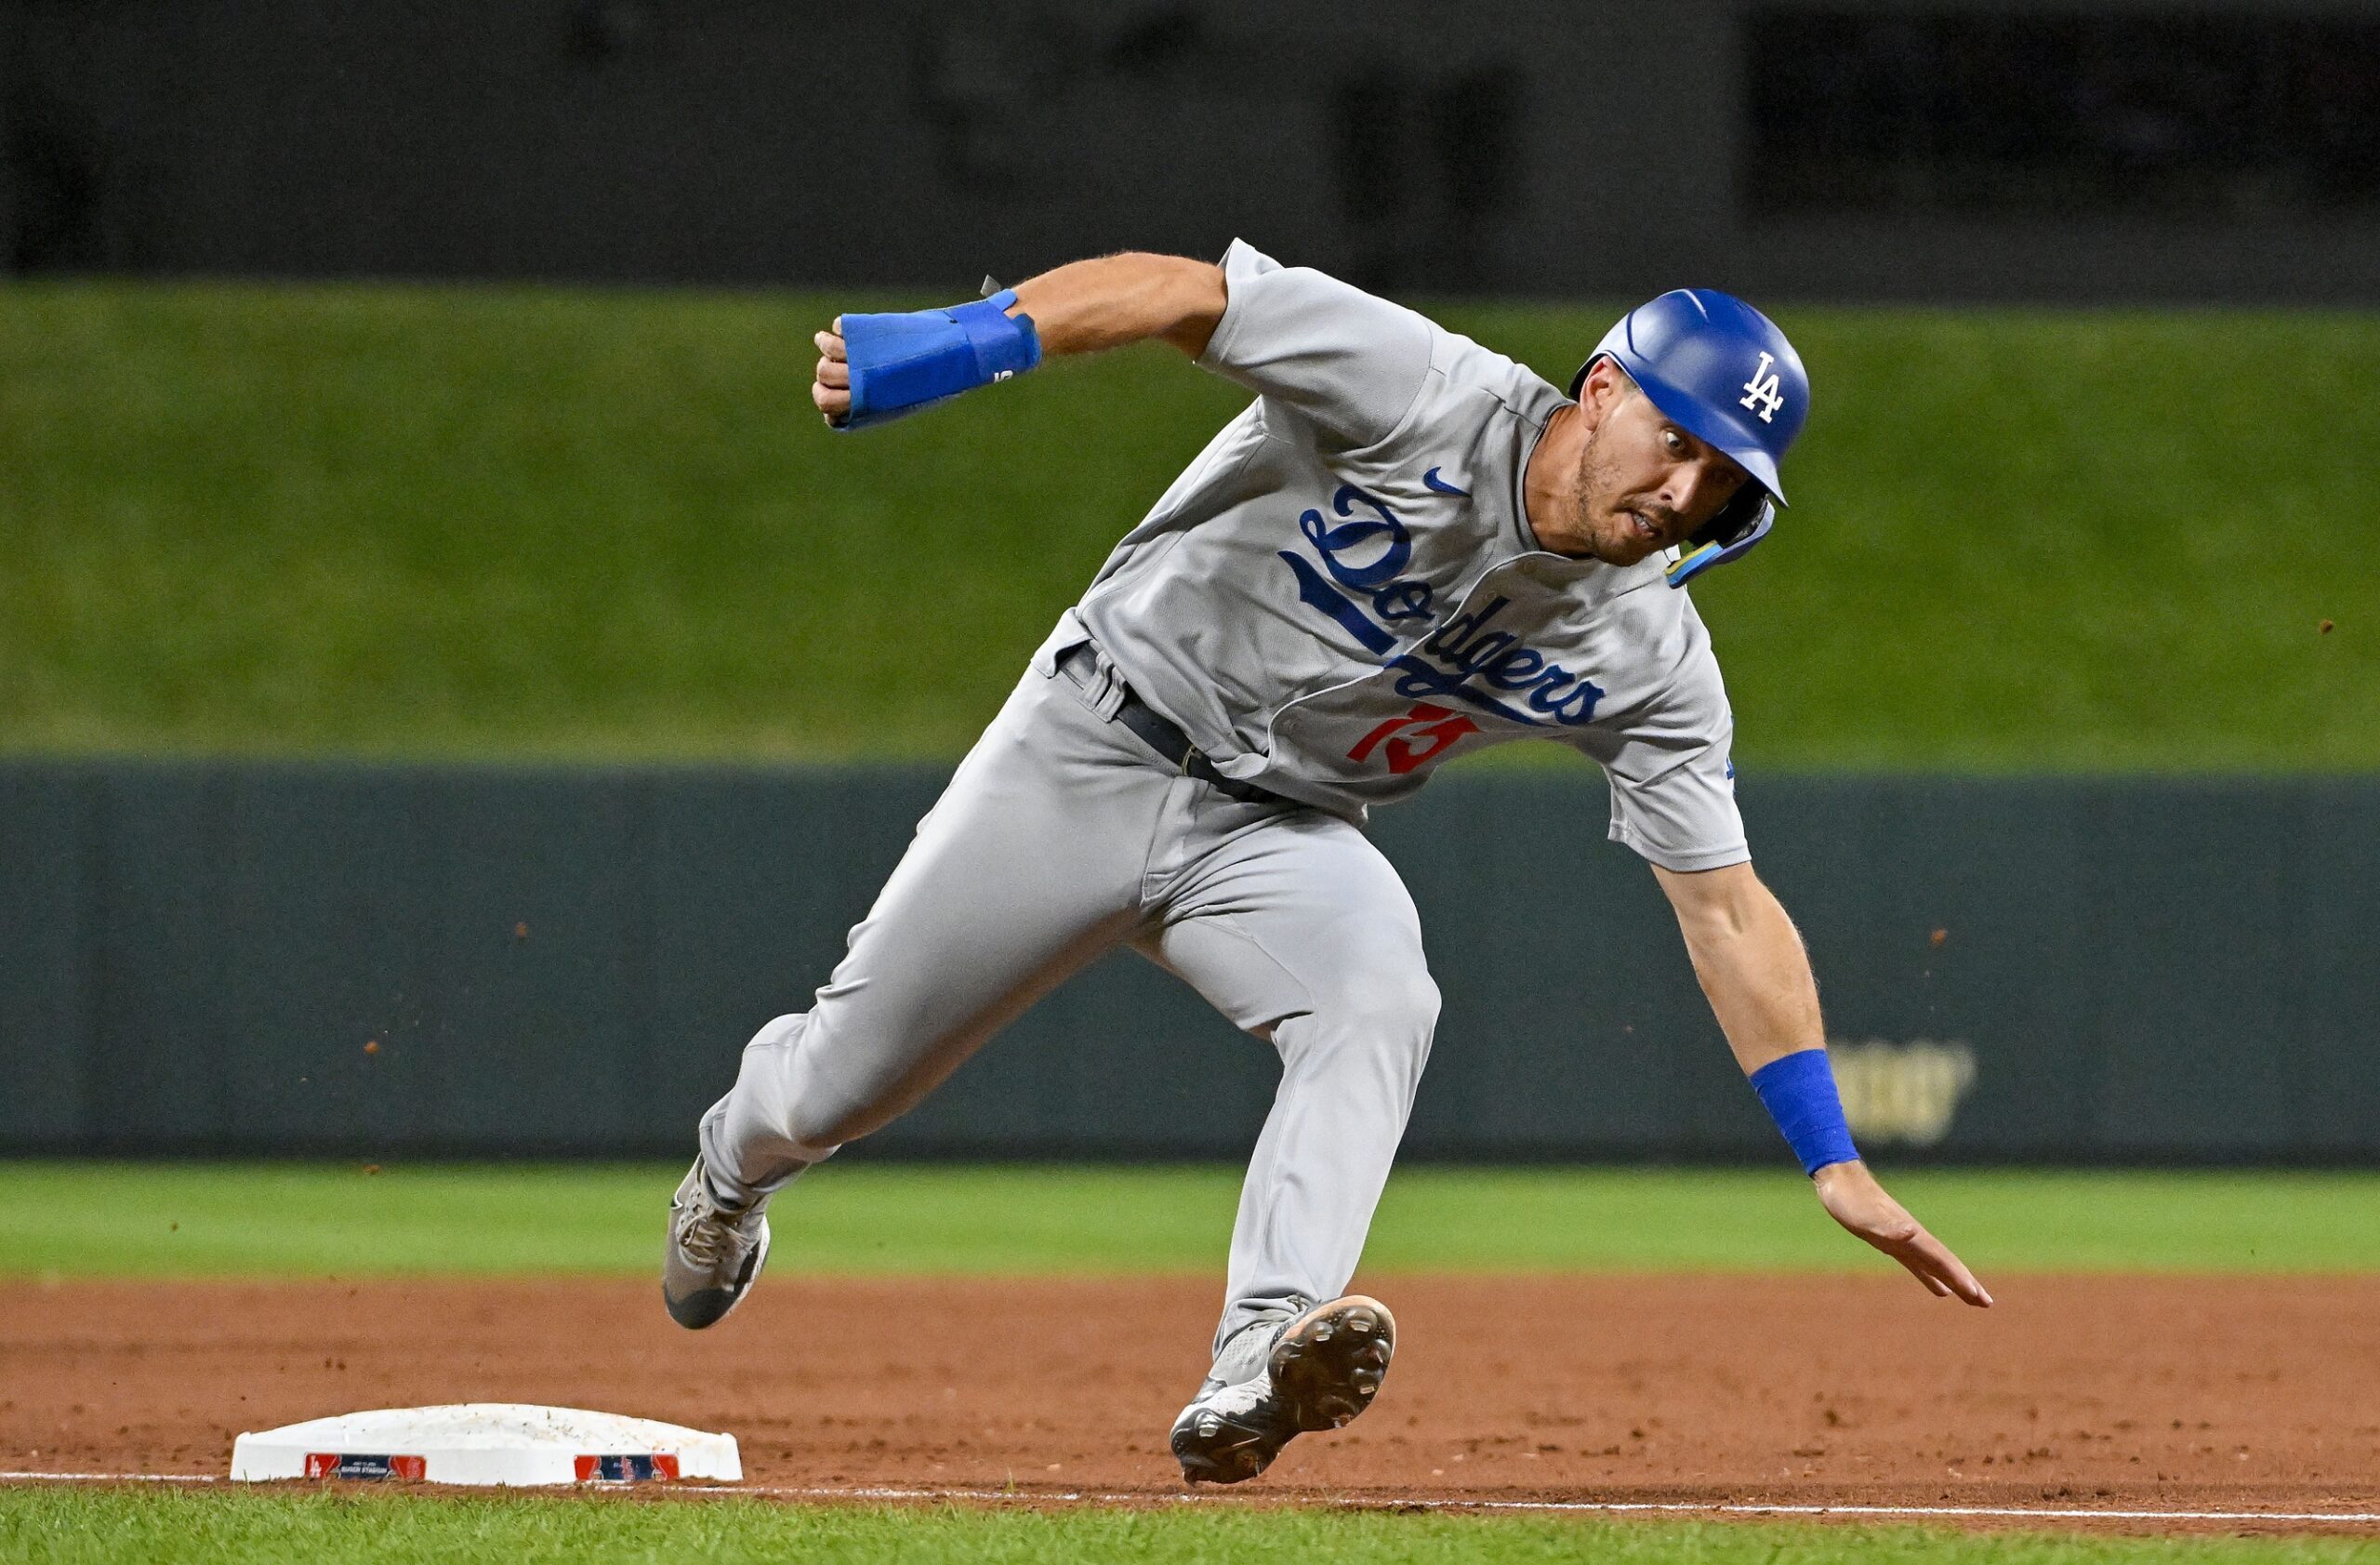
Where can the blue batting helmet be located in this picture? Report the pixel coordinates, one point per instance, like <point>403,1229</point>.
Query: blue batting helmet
<point>1720,369</point>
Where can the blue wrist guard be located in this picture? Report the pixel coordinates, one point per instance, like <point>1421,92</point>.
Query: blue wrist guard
<point>903,362</point>
<point>1798,1092</point>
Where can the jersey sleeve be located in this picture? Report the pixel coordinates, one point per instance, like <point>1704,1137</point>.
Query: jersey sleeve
<point>1672,781</point>
<point>1351,364</point>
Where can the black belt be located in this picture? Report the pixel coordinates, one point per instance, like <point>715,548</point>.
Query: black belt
<point>1162,735</point>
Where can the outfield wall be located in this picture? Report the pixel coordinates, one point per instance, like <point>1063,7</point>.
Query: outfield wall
<point>392,961</point>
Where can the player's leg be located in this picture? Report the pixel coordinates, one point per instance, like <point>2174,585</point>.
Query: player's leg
<point>1015,878</point>
<point>1298,930</point>
<point>1029,867</point>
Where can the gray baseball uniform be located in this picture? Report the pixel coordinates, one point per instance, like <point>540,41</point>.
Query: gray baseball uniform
<point>1341,592</point>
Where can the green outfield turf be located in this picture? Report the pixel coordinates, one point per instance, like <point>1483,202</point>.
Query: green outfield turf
<point>85,1219</point>
<point>118,1526</point>
<point>475,522</point>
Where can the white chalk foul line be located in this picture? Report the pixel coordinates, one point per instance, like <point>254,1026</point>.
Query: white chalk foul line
<point>1599,1508</point>
<point>2075,1513</point>
<point>1591,1507</point>
<point>107,1478</point>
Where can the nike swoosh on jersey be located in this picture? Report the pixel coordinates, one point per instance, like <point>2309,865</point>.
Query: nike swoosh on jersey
<point>1431,480</point>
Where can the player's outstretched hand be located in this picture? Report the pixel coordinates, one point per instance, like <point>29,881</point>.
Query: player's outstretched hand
<point>1853,1197</point>
<point>830,385</point>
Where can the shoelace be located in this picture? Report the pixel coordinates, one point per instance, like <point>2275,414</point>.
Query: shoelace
<point>708,1230</point>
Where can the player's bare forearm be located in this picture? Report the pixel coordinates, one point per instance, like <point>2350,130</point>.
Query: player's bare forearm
<point>1750,960</point>
<point>1757,973</point>
<point>1088,306</point>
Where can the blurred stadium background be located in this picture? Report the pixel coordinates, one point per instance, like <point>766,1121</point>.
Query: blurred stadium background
<point>452,689</point>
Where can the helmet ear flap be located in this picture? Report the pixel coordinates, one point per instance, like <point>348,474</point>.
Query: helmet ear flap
<point>1738,516</point>
<point>1745,520</point>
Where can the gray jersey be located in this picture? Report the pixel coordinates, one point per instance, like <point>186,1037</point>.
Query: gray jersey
<point>1342,591</point>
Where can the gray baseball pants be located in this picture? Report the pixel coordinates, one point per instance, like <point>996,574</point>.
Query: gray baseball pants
<point>1061,835</point>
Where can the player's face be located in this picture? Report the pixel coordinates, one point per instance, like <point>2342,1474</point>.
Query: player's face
<point>1645,483</point>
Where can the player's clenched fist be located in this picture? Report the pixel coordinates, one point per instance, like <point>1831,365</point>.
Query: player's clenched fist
<point>830,384</point>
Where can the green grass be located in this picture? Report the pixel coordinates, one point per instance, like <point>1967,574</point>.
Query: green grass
<point>143,1220</point>
<point>481,522</point>
<point>105,1527</point>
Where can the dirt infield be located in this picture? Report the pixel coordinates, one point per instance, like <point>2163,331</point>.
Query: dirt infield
<point>2097,1392</point>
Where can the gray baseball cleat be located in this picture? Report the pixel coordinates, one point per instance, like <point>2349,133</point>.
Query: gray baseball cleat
<point>1274,1381</point>
<point>715,1252</point>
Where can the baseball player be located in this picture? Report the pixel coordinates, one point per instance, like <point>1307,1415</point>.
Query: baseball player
<point>1405,548</point>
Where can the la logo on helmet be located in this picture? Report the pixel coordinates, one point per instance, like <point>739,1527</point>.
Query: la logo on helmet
<point>1760,391</point>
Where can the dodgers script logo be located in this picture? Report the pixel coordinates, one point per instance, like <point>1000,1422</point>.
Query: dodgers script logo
<point>1466,659</point>
<point>1464,662</point>
<point>1394,599</point>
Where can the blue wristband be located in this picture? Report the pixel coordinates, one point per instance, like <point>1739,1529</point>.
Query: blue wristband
<point>1798,1090</point>
<point>902,363</point>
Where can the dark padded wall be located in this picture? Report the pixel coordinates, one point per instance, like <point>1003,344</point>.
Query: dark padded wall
<point>551,960</point>
<point>1502,146</point>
